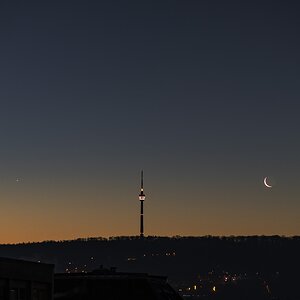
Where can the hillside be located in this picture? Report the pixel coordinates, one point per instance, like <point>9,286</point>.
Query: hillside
<point>180,258</point>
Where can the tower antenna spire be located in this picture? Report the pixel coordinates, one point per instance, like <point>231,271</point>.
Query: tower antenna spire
<point>142,179</point>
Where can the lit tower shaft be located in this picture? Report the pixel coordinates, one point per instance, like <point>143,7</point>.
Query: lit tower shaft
<point>142,198</point>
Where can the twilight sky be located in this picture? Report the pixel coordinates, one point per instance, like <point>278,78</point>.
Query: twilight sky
<point>202,95</point>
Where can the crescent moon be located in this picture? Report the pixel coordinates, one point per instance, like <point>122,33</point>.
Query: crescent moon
<point>266,184</point>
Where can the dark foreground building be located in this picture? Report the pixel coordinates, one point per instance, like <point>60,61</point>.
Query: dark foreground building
<point>23,280</point>
<point>112,285</point>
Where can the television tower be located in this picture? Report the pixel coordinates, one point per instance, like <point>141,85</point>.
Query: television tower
<point>142,198</point>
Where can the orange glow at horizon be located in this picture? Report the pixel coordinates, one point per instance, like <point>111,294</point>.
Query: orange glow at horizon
<point>40,211</point>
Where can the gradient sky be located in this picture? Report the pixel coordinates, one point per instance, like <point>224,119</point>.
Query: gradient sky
<point>202,95</point>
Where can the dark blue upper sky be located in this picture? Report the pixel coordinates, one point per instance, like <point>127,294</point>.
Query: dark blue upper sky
<point>204,95</point>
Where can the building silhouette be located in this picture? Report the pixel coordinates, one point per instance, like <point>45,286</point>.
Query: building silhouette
<point>112,285</point>
<point>24,280</point>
